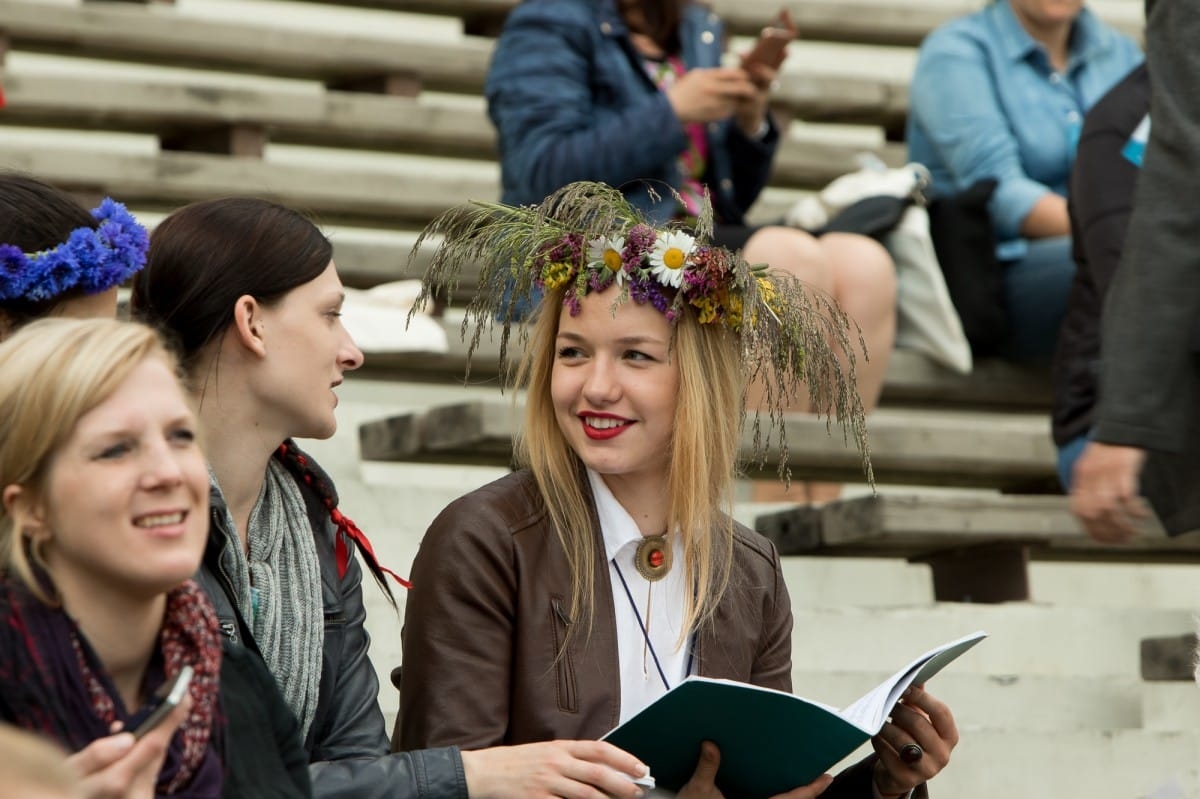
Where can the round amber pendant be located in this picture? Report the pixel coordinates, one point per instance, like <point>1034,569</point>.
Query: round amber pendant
<point>653,557</point>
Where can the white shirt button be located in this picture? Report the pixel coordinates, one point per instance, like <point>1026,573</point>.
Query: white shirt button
<point>707,37</point>
<point>1072,116</point>
<point>1055,77</point>
<point>606,28</point>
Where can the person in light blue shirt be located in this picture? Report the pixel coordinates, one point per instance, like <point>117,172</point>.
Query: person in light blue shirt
<point>1001,94</point>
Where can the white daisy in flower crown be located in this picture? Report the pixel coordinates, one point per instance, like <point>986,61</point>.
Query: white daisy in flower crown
<point>669,255</point>
<point>605,252</point>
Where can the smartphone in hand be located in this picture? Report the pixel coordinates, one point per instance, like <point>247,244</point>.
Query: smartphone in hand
<point>166,698</point>
<point>771,47</point>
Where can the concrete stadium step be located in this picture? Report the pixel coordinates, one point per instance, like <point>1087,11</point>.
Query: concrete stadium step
<point>1003,702</point>
<point>1170,706</point>
<point>1129,764</point>
<point>1025,639</point>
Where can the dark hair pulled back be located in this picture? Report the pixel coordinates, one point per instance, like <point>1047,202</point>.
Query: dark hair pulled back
<point>207,254</point>
<point>202,259</point>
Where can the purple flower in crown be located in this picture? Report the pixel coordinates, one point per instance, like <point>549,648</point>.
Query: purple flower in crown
<point>568,250</point>
<point>600,279</point>
<point>51,273</point>
<point>638,244</point>
<point>94,262</point>
<point>571,303</point>
<point>14,266</point>
<point>126,240</point>
<point>649,290</point>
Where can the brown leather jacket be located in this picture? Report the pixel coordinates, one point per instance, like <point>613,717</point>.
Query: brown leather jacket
<point>488,610</point>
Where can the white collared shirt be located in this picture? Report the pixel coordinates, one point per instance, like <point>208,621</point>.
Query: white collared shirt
<point>640,680</point>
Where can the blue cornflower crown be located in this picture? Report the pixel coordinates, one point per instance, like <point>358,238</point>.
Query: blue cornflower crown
<point>93,260</point>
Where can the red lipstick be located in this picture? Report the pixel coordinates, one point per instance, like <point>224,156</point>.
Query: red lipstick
<point>604,433</point>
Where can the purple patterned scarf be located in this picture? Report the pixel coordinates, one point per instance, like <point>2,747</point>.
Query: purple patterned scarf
<point>51,682</point>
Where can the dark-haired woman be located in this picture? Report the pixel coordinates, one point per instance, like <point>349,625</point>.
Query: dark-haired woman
<point>249,292</point>
<point>632,93</point>
<point>56,258</point>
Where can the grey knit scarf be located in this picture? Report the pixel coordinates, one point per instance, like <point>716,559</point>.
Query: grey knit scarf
<point>279,589</point>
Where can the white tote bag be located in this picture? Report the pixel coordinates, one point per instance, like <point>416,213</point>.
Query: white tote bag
<point>925,317</point>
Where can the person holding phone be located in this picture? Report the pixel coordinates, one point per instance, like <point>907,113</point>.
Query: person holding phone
<point>104,520</point>
<point>633,94</point>
<point>91,475</point>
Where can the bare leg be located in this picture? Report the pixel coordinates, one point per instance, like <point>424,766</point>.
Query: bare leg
<point>857,272</point>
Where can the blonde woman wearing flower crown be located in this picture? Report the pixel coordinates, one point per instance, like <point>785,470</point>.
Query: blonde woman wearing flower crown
<point>562,599</point>
<point>633,93</point>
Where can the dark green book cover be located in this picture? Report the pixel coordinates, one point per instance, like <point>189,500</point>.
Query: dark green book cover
<point>770,741</point>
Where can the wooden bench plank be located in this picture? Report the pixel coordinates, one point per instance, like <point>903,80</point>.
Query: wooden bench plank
<point>913,525</point>
<point>338,119</point>
<point>156,105</point>
<point>163,36</point>
<point>995,450</point>
<point>912,380</point>
<point>863,21</point>
<point>810,87</point>
<point>171,179</point>
<point>978,546</point>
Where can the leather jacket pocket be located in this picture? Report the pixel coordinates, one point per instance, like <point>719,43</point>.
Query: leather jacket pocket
<point>560,622</point>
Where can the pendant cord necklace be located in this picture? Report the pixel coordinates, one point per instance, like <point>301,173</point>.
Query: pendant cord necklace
<point>643,626</point>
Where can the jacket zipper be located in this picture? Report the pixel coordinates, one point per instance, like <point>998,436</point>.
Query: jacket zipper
<point>560,621</point>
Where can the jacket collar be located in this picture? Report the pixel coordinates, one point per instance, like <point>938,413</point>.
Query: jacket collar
<point>1089,36</point>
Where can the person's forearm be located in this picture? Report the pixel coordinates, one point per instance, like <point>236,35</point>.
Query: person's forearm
<point>1047,218</point>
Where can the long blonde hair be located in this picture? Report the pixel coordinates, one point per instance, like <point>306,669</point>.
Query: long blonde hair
<point>52,372</point>
<point>701,469</point>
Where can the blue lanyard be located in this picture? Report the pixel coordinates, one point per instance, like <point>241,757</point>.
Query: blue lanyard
<point>646,635</point>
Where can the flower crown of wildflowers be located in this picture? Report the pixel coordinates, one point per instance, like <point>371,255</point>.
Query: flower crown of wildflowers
<point>92,259</point>
<point>586,237</point>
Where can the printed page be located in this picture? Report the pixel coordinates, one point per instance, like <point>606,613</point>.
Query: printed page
<point>869,712</point>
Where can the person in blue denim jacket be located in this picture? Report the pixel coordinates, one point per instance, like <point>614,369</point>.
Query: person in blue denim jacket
<point>632,93</point>
<point>1001,94</point>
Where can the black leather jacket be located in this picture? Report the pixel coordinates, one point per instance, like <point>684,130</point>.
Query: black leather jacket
<point>348,749</point>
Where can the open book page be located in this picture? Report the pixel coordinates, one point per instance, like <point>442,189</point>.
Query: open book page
<point>869,712</point>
